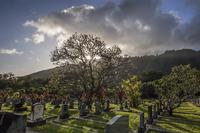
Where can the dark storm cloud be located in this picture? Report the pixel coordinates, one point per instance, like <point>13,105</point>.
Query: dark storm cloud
<point>191,34</point>
<point>138,26</point>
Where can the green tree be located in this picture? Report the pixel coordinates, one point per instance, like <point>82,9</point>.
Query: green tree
<point>132,88</point>
<point>181,84</point>
<point>87,57</point>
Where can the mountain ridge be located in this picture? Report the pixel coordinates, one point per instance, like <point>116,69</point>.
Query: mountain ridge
<point>160,63</point>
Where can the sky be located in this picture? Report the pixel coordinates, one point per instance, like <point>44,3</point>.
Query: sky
<point>31,29</point>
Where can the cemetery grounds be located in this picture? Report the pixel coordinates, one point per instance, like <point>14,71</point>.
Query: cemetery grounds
<point>185,119</point>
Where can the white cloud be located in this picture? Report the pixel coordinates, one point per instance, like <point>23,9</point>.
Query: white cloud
<point>10,51</point>
<point>138,25</point>
<point>60,38</point>
<point>38,60</point>
<point>30,58</point>
<point>26,40</point>
<point>16,41</point>
<point>38,38</point>
<point>50,29</point>
<point>176,16</point>
<point>141,26</point>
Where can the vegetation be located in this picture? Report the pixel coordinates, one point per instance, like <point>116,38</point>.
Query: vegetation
<point>89,72</point>
<point>132,88</point>
<point>186,119</point>
<point>181,84</point>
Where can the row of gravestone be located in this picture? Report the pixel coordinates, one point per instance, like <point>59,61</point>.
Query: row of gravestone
<point>116,125</point>
<point>196,101</point>
<point>16,123</point>
<point>153,112</point>
<point>120,124</point>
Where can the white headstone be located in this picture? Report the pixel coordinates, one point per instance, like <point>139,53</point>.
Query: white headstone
<point>37,111</point>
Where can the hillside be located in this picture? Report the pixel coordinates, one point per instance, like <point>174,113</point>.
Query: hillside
<point>137,65</point>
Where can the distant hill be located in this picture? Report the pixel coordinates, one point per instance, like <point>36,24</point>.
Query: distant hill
<point>137,65</point>
<point>44,74</point>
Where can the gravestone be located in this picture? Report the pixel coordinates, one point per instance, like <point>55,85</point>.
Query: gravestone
<point>107,105</point>
<point>158,108</point>
<point>12,123</point>
<point>150,118</point>
<point>83,110</point>
<point>126,104</point>
<point>121,106</point>
<point>18,105</point>
<point>97,108</point>
<point>142,126</point>
<point>0,105</point>
<point>118,124</point>
<point>71,104</point>
<point>154,112</point>
<point>64,114</point>
<point>37,115</point>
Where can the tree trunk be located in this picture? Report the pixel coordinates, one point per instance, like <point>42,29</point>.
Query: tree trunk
<point>170,111</point>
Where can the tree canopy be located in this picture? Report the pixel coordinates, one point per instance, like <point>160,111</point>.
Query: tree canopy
<point>181,84</point>
<point>87,57</point>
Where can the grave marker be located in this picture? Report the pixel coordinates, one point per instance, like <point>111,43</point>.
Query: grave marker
<point>0,105</point>
<point>149,119</point>
<point>83,110</point>
<point>118,124</point>
<point>107,105</point>
<point>158,108</point>
<point>142,126</point>
<point>154,112</point>
<point>97,108</point>
<point>64,114</point>
<point>12,123</point>
<point>37,115</point>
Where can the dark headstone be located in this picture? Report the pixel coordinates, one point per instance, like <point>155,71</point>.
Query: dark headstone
<point>158,108</point>
<point>121,106</point>
<point>126,104</point>
<point>0,105</point>
<point>64,114</point>
<point>83,110</point>
<point>107,105</point>
<point>150,118</point>
<point>12,123</point>
<point>71,104</point>
<point>142,126</point>
<point>18,105</point>
<point>154,112</point>
<point>97,108</point>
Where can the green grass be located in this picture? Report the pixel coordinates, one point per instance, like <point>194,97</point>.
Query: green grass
<point>51,128</point>
<point>94,122</point>
<point>186,119</point>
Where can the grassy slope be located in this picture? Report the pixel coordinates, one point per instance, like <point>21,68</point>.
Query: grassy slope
<point>186,119</point>
<point>88,125</point>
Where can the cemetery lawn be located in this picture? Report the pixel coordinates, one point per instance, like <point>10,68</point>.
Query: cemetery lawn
<point>186,119</point>
<point>94,123</point>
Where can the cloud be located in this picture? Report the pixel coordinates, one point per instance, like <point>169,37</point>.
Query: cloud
<point>26,40</point>
<point>16,41</point>
<point>137,26</point>
<point>38,38</point>
<point>38,60</point>
<point>10,51</point>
